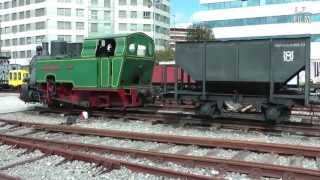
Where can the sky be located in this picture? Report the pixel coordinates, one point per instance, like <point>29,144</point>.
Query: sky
<point>183,10</point>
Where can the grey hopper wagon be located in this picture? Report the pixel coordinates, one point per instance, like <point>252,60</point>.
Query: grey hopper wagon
<point>251,71</point>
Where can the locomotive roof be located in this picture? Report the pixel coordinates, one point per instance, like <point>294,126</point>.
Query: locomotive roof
<point>125,35</point>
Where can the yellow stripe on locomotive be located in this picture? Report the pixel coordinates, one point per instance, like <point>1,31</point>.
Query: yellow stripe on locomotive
<point>16,77</point>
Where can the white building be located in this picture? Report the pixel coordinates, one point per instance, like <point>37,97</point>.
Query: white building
<point>254,18</point>
<point>177,35</point>
<point>27,23</point>
<point>125,16</point>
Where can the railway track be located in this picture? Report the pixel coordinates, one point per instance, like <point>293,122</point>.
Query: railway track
<point>9,90</point>
<point>4,176</point>
<point>253,169</point>
<point>171,117</point>
<point>51,148</point>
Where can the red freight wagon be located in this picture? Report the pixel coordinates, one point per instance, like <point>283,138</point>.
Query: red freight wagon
<point>166,72</point>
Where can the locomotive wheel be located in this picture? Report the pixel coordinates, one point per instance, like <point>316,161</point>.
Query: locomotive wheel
<point>209,109</point>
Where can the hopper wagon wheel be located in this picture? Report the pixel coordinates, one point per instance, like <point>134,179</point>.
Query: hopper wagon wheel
<point>209,109</point>
<point>275,113</point>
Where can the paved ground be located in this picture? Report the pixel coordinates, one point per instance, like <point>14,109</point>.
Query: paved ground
<point>10,102</point>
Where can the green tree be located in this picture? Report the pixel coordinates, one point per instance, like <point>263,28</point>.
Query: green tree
<point>165,55</point>
<point>199,33</point>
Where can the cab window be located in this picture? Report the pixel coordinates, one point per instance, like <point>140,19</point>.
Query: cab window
<point>10,76</point>
<point>19,76</point>
<point>105,47</point>
<point>132,48</point>
<point>14,76</point>
<point>141,51</point>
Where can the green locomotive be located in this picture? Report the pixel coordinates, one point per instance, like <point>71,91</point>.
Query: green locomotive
<point>111,71</point>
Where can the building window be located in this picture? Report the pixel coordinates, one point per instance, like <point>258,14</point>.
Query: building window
<point>14,3</point>
<point>107,3</point>
<point>40,25</point>
<point>147,3</point>
<point>7,42</point>
<point>22,41</point>
<point>94,27</point>
<point>22,54</point>
<point>94,14</point>
<point>27,2</point>
<point>94,2</point>
<point>79,38</point>
<point>29,54</point>
<point>303,18</point>
<point>14,29</point>
<point>79,1</point>
<point>7,30</point>
<point>64,11</point>
<point>22,28</point>
<point>79,25</point>
<point>40,12</point>
<point>64,38</point>
<point>13,16</point>
<point>21,15</point>
<point>122,14</point>
<point>39,1</point>
<point>122,2</point>
<point>6,5</point>
<point>64,25</point>
<point>107,15</point>
<point>39,39</point>
<point>80,12</point>
<point>14,41</point>
<point>15,55</point>
<point>28,15</point>
<point>133,14</point>
<point>147,27</point>
<point>28,40</point>
<point>146,14</point>
<point>122,26</point>
<point>28,27</point>
<point>133,2</point>
<point>7,17</point>
<point>133,27</point>
<point>21,2</point>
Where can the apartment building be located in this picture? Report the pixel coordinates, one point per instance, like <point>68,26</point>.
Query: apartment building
<point>178,34</point>
<point>25,24</point>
